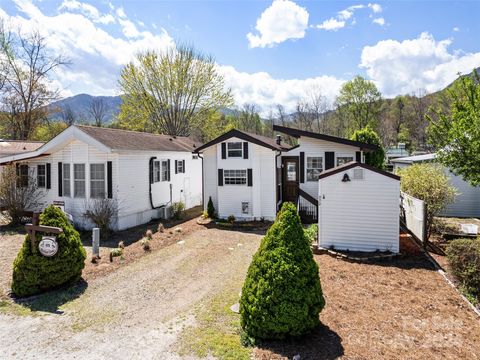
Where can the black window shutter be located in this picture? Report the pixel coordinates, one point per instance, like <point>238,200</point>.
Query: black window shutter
<point>150,171</point>
<point>302,167</point>
<point>329,160</point>
<point>220,177</point>
<point>183,161</point>
<point>176,164</point>
<point>168,170</point>
<point>224,150</point>
<point>358,156</point>
<point>60,179</point>
<point>245,150</point>
<point>249,177</point>
<point>49,173</point>
<point>109,180</point>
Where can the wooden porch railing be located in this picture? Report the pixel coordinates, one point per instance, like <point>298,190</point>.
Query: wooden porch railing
<point>307,207</point>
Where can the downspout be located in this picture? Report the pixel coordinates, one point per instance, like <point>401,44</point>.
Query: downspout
<point>277,192</point>
<point>203,185</point>
<point>150,187</point>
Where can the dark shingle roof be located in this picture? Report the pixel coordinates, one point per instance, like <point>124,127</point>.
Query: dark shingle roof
<point>254,138</point>
<point>135,140</point>
<point>14,147</point>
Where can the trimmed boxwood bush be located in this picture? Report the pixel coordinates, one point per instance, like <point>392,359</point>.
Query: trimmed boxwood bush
<point>282,293</point>
<point>464,259</point>
<point>210,208</point>
<point>34,273</point>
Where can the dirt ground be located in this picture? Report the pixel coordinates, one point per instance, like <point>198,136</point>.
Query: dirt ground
<point>394,309</point>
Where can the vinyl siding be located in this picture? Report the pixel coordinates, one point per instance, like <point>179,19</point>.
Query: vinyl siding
<point>228,199</point>
<point>130,182</point>
<point>360,215</point>
<point>317,148</point>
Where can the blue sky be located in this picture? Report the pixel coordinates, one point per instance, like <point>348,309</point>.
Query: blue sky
<point>270,52</point>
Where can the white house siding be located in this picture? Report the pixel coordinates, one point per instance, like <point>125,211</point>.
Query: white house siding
<point>317,148</point>
<point>359,215</point>
<point>467,202</point>
<point>228,199</point>
<point>75,152</point>
<point>133,192</point>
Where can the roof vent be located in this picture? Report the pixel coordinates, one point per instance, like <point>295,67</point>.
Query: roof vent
<point>279,139</point>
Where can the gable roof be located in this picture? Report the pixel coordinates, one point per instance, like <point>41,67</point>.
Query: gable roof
<point>353,164</point>
<point>414,159</point>
<point>118,139</point>
<point>298,133</point>
<point>12,147</point>
<point>253,138</point>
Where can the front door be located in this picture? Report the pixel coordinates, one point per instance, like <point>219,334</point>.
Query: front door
<point>290,179</point>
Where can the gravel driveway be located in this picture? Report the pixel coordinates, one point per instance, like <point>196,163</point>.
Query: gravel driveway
<point>137,311</point>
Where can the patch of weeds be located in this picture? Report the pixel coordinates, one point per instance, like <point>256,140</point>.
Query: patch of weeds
<point>10,308</point>
<point>97,320</point>
<point>217,329</point>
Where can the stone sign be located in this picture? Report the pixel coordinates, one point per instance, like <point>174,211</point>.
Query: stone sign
<point>48,246</point>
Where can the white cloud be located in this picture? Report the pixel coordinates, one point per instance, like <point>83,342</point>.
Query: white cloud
<point>456,29</point>
<point>331,24</point>
<point>422,63</point>
<point>380,21</point>
<point>376,8</point>
<point>263,90</point>
<point>97,56</point>
<point>283,20</point>
<point>88,10</point>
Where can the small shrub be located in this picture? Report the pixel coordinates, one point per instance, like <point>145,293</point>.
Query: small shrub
<point>464,259</point>
<point>282,295</point>
<point>116,253</point>
<point>146,244</point>
<point>103,213</point>
<point>149,234</point>
<point>178,209</point>
<point>34,273</point>
<point>311,232</point>
<point>231,219</point>
<point>160,228</point>
<point>205,214</point>
<point>210,208</point>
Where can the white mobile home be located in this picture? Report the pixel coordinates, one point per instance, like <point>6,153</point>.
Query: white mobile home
<point>250,176</point>
<point>145,173</point>
<point>358,209</point>
<point>467,202</point>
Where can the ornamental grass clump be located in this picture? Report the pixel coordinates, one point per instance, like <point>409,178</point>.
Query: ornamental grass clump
<point>34,273</point>
<point>282,295</point>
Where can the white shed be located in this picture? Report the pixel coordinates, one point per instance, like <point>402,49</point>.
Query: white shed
<point>359,209</point>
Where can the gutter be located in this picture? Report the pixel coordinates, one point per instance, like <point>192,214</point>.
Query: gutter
<point>203,183</point>
<point>276,178</point>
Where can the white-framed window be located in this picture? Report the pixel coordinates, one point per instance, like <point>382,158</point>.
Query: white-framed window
<point>66,180</point>
<point>314,168</point>
<point>23,176</point>
<point>97,181</point>
<point>234,149</point>
<point>41,175</point>
<point>344,159</point>
<point>180,168</point>
<point>235,177</point>
<point>79,180</point>
<point>164,170</point>
<point>156,171</point>
<point>195,157</point>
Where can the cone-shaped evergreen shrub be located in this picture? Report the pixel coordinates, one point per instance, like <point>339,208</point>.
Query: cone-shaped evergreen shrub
<point>282,293</point>
<point>34,273</point>
<point>210,208</point>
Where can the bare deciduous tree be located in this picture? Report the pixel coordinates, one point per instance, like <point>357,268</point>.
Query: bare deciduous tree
<point>18,191</point>
<point>68,115</point>
<point>26,67</point>
<point>98,111</point>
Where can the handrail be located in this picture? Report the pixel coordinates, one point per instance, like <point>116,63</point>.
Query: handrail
<point>307,197</point>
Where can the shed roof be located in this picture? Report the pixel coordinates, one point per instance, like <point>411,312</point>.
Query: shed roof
<point>117,139</point>
<point>13,147</point>
<point>353,164</point>
<point>253,138</point>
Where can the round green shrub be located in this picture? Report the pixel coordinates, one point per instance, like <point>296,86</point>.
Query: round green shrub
<point>464,259</point>
<point>282,293</point>
<point>34,273</point>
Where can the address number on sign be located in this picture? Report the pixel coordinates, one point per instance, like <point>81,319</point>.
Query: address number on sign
<point>48,246</point>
